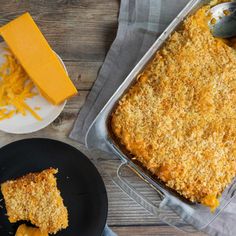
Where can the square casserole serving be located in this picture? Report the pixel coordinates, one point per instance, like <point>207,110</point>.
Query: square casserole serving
<point>179,118</point>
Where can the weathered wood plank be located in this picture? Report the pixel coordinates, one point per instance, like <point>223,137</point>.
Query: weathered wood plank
<point>83,74</point>
<point>76,29</point>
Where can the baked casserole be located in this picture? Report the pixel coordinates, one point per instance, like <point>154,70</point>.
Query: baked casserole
<point>179,118</point>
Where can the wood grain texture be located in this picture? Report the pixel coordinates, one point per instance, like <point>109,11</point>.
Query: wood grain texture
<point>81,32</point>
<point>76,29</point>
<point>83,73</point>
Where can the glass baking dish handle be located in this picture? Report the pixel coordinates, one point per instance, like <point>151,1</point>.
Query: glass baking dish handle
<point>132,192</point>
<point>156,210</point>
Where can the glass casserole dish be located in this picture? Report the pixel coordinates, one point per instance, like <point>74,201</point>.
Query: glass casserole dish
<point>100,137</point>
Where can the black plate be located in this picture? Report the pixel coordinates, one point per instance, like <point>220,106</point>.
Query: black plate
<point>80,184</point>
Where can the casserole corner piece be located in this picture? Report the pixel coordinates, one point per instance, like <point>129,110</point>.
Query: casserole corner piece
<point>178,119</point>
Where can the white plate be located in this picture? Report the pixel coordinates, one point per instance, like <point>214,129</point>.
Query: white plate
<point>19,124</point>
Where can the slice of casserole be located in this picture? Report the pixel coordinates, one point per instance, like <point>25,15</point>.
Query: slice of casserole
<point>179,119</point>
<point>35,198</point>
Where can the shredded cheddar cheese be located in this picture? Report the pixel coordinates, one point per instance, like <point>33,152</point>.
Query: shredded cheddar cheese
<point>15,88</point>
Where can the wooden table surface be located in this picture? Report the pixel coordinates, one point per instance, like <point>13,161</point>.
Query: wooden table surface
<point>81,32</point>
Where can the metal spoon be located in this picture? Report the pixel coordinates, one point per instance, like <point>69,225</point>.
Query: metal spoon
<point>223,20</point>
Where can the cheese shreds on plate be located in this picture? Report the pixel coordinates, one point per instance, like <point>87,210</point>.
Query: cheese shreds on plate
<point>15,88</point>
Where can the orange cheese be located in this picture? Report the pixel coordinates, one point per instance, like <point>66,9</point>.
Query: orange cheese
<point>37,58</point>
<point>24,230</point>
<point>15,89</point>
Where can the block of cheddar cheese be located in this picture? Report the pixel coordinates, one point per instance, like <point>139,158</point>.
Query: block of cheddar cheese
<point>42,65</point>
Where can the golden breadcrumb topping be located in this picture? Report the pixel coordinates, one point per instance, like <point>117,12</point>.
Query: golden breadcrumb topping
<point>35,198</point>
<point>179,118</point>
